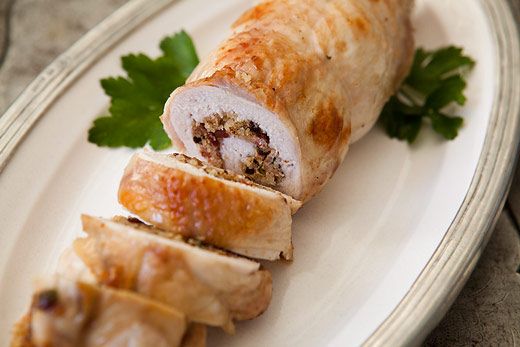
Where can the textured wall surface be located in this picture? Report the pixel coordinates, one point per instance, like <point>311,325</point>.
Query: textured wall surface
<point>487,312</point>
<point>38,31</point>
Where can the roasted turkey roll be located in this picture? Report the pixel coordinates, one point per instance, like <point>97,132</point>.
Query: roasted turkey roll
<point>208,285</point>
<point>66,313</point>
<point>72,267</point>
<point>180,194</point>
<point>195,336</point>
<point>297,81</point>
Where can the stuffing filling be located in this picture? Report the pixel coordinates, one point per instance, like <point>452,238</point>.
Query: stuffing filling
<point>217,172</point>
<point>138,224</point>
<point>213,171</point>
<point>263,167</point>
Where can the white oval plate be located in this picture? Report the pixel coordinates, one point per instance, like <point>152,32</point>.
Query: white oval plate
<point>380,253</point>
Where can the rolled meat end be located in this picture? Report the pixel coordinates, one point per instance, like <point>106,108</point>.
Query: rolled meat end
<point>208,285</point>
<point>297,81</point>
<point>182,195</point>
<point>66,313</point>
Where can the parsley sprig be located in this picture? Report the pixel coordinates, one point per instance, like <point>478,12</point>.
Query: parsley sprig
<point>137,101</point>
<point>436,81</point>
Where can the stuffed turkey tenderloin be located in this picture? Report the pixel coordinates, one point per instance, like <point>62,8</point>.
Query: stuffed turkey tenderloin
<point>297,81</point>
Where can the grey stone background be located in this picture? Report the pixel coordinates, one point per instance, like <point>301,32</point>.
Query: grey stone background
<point>486,313</point>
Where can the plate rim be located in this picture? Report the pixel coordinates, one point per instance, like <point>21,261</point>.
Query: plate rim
<point>449,268</point>
<point>456,256</point>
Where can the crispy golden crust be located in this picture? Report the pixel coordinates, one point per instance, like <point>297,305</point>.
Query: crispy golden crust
<point>22,333</point>
<point>228,215</point>
<point>208,287</point>
<point>326,70</point>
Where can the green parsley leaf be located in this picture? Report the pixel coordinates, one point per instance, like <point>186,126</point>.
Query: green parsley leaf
<point>182,52</point>
<point>137,101</point>
<point>436,81</point>
<point>401,121</point>
<point>431,67</point>
<point>445,125</point>
<point>450,90</point>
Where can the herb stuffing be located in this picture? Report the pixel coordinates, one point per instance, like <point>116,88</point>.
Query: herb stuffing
<point>436,82</point>
<point>137,100</point>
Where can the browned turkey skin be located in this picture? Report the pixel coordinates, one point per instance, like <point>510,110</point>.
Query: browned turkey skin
<point>263,167</point>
